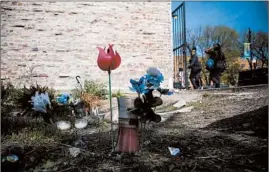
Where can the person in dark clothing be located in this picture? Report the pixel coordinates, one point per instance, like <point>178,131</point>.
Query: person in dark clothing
<point>219,64</point>
<point>196,69</point>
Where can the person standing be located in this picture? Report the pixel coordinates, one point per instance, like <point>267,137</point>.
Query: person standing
<point>219,65</point>
<point>196,69</point>
<point>180,77</point>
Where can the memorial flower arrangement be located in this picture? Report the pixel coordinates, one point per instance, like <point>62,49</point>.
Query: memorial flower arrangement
<point>145,101</point>
<point>142,109</point>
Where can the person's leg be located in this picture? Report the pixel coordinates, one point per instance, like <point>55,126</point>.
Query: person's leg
<point>217,78</point>
<point>214,77</point>
<point>211,78</point>
<point>197,83</point>
<point>198,78</point>
<point>200,82</point>
<point>192,78</point>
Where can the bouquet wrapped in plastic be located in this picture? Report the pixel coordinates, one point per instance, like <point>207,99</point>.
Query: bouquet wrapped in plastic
<point>40,101</point>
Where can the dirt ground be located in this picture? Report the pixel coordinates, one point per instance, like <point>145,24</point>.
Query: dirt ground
<point>225,131</point>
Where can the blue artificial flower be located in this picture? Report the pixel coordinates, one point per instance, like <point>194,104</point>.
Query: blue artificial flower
<point>138,86</point>
<point>133,81</point>
<point>154,81</point>
<point>63,98</point>
<point>135,86</point>
<point>151,80</point>
<point>142,79</point>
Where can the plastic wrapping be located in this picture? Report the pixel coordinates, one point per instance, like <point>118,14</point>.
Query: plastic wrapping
<point>174,151</point>
<point>40,102</point>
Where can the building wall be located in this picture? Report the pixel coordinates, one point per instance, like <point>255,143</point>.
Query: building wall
<point>245,65</point>
<point>51,43</point>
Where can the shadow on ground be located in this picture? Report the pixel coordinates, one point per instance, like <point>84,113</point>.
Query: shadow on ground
<point>228,151</point>
<point>254,123</point>
<point>238,144</point>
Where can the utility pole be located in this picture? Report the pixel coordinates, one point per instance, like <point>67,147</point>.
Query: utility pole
<point>184,48</point>
<point>249,35</point>
<point>250,46</point>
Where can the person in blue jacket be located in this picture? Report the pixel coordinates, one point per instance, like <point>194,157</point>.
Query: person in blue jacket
<point>219,64</point>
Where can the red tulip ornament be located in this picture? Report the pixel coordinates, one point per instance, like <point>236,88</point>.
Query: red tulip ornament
<point>108,60</point>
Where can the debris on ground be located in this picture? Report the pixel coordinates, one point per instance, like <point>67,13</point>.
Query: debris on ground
<point>174,151</point>
<point>74,151</point>
<point>185,109</point>
<point>180,103</point>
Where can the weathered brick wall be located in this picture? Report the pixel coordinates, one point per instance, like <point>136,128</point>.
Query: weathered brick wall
<point>51,43</point>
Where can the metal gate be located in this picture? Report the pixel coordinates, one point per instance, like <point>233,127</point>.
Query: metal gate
<point>179,42</point>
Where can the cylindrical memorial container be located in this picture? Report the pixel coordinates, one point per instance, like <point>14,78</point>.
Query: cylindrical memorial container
<point>128,126</point>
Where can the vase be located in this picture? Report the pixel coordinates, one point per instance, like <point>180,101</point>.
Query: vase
<point>128,126</point>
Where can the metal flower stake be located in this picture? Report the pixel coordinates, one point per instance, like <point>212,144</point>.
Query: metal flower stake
<point>109,60</point>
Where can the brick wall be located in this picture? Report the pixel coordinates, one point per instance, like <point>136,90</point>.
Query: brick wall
<point>51,43</point>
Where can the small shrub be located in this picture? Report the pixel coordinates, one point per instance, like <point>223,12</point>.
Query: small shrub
<point>118,94</point>
<point>91,87</point>
<point>94,88</point>
<point>76,93</point>
<point>9,97</point>
<point>41,133</point>
<point>90,100</point>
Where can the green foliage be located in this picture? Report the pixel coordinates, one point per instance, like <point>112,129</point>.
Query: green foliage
<point>76,93</point>
<point>9,93</point>
<point>94,87</point>
<point>118,94</point>
<point>207,36</point>
<point>37,134</point>
<point>230,76</point>
<point>9,97</point>
<point>12,97</point>
<point>227,37</point>
<point>91,87</point>
<point>260,47</point>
